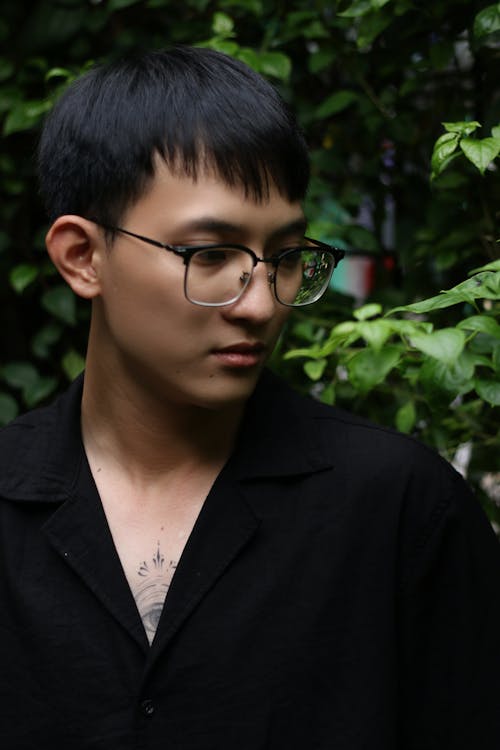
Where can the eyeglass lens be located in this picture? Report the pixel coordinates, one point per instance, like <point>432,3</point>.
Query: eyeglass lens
<point>218,276</point>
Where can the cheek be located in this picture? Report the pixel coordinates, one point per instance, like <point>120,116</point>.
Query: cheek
<point>148,308</point>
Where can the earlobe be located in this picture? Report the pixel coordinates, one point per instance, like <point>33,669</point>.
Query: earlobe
<point>73,244</point>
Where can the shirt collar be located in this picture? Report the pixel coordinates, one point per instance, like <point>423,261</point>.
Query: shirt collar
<point>41,452</point>
<point>279,434</point>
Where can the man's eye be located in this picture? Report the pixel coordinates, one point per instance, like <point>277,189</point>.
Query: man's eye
<point>291,259</point>
<point>210,257</point>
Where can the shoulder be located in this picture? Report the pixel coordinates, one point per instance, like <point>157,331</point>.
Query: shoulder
<point>357,440</point>
<point>40,443</point>
<point>397,486</point>
<point>374,467</point>
<point>19,434</point>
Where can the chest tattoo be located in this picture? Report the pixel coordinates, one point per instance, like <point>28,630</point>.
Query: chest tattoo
<point>150,589</point>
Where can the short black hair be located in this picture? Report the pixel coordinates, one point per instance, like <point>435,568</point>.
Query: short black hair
<point>195,107</point>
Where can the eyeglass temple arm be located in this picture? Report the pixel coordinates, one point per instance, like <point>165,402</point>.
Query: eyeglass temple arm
<point>184,252</point>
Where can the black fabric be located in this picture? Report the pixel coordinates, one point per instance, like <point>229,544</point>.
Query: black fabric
<point>339,591</point>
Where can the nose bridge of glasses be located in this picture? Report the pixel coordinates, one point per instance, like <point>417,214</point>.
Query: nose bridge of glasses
<point>269,272</point>
<point>252,279</point>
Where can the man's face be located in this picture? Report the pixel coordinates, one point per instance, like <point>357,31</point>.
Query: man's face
<point>144,329</point>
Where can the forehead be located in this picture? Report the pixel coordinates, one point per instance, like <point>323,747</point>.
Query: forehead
<point>173,200</point>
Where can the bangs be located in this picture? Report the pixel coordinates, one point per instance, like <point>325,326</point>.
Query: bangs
<point>196,108</point>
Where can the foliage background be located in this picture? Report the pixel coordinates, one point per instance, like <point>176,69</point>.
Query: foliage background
<point>372,81</point>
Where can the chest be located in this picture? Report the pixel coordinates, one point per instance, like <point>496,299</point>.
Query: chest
<point>149,540</point>
<point>150,525</point>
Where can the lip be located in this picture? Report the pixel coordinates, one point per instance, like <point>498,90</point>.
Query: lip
<point>241,354</point>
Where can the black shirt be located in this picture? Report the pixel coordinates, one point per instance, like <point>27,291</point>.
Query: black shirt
<point>339,591</point>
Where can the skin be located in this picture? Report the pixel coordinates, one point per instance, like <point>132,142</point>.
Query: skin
<point>166,381</point>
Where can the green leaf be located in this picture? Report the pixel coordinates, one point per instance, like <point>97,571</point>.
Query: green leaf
<point>275,64</point>
<point>480,360</point>
<point>6,69</point>
<point>25,115</point>
<point>463,128</point>
<point>446,345</point>
<point>438,302</point>
<point>336,102</point>
<point>481,152</point>
<point>250,6</point>
<point>8,408</point>
<point>315,368</point>
<point>444,147</point>
<point>321,59</point>
<point>63,73</point>
<point>406,417</point>
<point>345,328</point>
<point>357,8</point>
<point>45,338</point>
<point>72,364</point>
<point>495,132</point>
<point>488,390</point>
<point>481,324</point>
<point>375,332</point>
<point>327,395</point>
<point>305,330</point>
<point>19,374</point>
<point>371,26</point>
<point>118,4</point>
<point>368,367</point>
<point>250,57</point>
<point>368,311</point>
<point>495,359</point>
<point>310,351</point>
<point>454,379</point>
<point>479,286</point>
<point>492,286</point>
<point>487,22</point>
<point>21,276</point>
<point>37,391</point>
<point>409,327</point>
<point>222,24</point>
<point>61,302</point>
<point>315,30</point>
<point>223,45</point>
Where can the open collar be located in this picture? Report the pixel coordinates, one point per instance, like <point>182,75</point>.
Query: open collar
<point>279,434</point>
<point>41,452</point>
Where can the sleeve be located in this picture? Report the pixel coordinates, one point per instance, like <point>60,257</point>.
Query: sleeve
<point>449,622</point>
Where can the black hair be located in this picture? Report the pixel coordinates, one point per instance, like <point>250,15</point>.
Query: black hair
<point>195,107</point>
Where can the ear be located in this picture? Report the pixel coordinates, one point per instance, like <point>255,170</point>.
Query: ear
<point>74,245</point>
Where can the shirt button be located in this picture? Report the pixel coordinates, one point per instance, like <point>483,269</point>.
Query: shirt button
<point>148,707</point>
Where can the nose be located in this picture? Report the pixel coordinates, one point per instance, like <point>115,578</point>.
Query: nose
<point>257,303</point>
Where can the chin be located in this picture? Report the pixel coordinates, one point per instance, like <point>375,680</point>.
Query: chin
<point>220,392</point>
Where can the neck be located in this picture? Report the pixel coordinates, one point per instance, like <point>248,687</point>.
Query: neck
<point>148,439</point>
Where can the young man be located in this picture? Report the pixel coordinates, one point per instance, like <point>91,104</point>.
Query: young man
<point>193,557</point>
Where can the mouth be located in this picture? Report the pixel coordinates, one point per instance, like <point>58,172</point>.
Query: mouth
<point>241,354</point>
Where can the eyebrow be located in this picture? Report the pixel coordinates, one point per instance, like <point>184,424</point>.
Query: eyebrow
<point>212,224</point>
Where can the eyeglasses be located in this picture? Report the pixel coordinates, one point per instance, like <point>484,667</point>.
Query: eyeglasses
<point>218,274</point>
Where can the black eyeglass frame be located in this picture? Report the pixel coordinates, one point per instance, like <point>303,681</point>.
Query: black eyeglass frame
<point>186,252</point>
